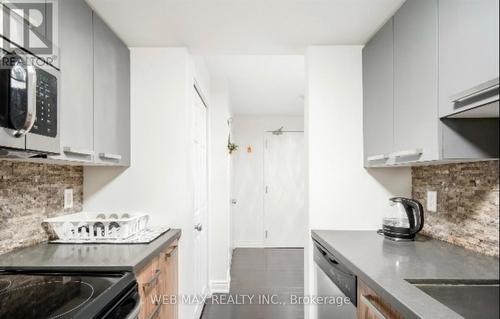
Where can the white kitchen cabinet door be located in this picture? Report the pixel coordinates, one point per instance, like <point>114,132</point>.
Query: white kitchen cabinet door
<point>416,82</point>
<point>111,97</point>
<point>378,96</point>
<point>76,95</point>
<point>468,48</point>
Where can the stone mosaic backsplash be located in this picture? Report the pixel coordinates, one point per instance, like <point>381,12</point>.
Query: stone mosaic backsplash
<point>31,192</point>
<point>467,207</point>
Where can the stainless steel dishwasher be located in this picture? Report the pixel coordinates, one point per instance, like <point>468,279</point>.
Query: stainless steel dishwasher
<point>335,282</point>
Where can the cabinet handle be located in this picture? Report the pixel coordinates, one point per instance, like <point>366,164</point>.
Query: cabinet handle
<point>406,153</point>
<point>156,311</point>
<point>475,91</point>
<point>375,158</point>
<point>170,252</point>
<point>371,306</point>
<point>153,281</point>
<point>70,150</point>
<point>109,156</point>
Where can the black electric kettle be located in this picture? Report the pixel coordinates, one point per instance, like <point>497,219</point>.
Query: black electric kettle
<point>405,219</point>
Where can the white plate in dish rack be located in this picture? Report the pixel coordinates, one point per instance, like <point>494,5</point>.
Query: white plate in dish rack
<point>143,237</point>
<point>93,226</point>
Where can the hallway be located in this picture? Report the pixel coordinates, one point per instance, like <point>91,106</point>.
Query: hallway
<point>257,274</point>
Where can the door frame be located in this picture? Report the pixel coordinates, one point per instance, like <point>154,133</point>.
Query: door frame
<point>205,289</point>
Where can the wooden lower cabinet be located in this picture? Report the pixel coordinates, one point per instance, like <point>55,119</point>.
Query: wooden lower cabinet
<point>372,306</point>
<point>170,282</point>
<point>157,283</point>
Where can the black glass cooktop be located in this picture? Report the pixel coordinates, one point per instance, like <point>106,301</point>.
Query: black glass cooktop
<point>56,296</point>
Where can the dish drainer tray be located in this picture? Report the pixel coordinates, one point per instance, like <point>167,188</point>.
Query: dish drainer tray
<point>143,237</point>
<point>91,226</point>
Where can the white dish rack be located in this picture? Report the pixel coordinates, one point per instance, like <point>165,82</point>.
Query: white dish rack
<point>87,226</point>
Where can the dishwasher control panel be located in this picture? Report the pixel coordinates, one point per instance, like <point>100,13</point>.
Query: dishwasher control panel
<point>338,273</point>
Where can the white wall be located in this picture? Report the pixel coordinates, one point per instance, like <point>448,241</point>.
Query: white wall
<point>219,188</point>
<point>341,193</point>
<point>248,174</point>
<point>159,180</point>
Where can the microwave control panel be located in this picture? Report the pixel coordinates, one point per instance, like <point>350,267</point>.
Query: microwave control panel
<point>46,104</point>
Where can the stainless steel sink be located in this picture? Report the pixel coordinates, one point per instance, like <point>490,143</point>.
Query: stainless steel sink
<point>471,299</point>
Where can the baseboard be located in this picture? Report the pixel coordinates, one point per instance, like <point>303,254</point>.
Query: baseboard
<point>222,286</point>
<point>249,244</point>
<point>219,286</point>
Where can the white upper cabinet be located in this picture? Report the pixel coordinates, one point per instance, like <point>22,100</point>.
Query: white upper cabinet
<point>468,48</point>
<point>415,81</point>
<point>111,97</point>
<point>440,49</point>
<point>77,109</point>
<point>95,89</point>
<point>378,96</point>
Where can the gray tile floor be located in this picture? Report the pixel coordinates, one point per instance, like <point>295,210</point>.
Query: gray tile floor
<point>275,274</point>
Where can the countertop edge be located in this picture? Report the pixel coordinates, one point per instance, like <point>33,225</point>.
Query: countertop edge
<point>144,261</point>
<point>380,290</point>
<point>133,265</point>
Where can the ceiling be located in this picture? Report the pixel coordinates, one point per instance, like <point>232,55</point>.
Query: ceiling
<point>258,45</point>
<point>245,26</point>
<point>262,84</point>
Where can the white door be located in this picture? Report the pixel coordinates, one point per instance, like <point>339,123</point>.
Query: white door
<point>200,180</point>
<point>284,182</point>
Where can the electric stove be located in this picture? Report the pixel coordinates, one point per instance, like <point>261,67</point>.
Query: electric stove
<point>64,295</point>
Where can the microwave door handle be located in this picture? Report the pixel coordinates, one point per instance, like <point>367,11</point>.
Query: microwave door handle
<point>31,107</point>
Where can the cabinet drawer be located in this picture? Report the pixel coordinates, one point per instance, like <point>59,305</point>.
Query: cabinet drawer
<point>372,306</point>
<point>149,280</point>
<point>169,260</point>
<point>158,285</point>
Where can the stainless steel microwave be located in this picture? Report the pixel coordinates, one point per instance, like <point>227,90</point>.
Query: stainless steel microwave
<point>29,105</point>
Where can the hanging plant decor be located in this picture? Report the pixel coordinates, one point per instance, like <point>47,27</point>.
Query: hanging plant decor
<point>231,147</point>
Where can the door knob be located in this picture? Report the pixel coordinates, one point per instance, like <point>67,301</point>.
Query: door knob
<point>198,227</point>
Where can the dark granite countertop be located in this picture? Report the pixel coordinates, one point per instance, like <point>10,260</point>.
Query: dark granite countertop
<point>87,257</point>
<point>384,265</point>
